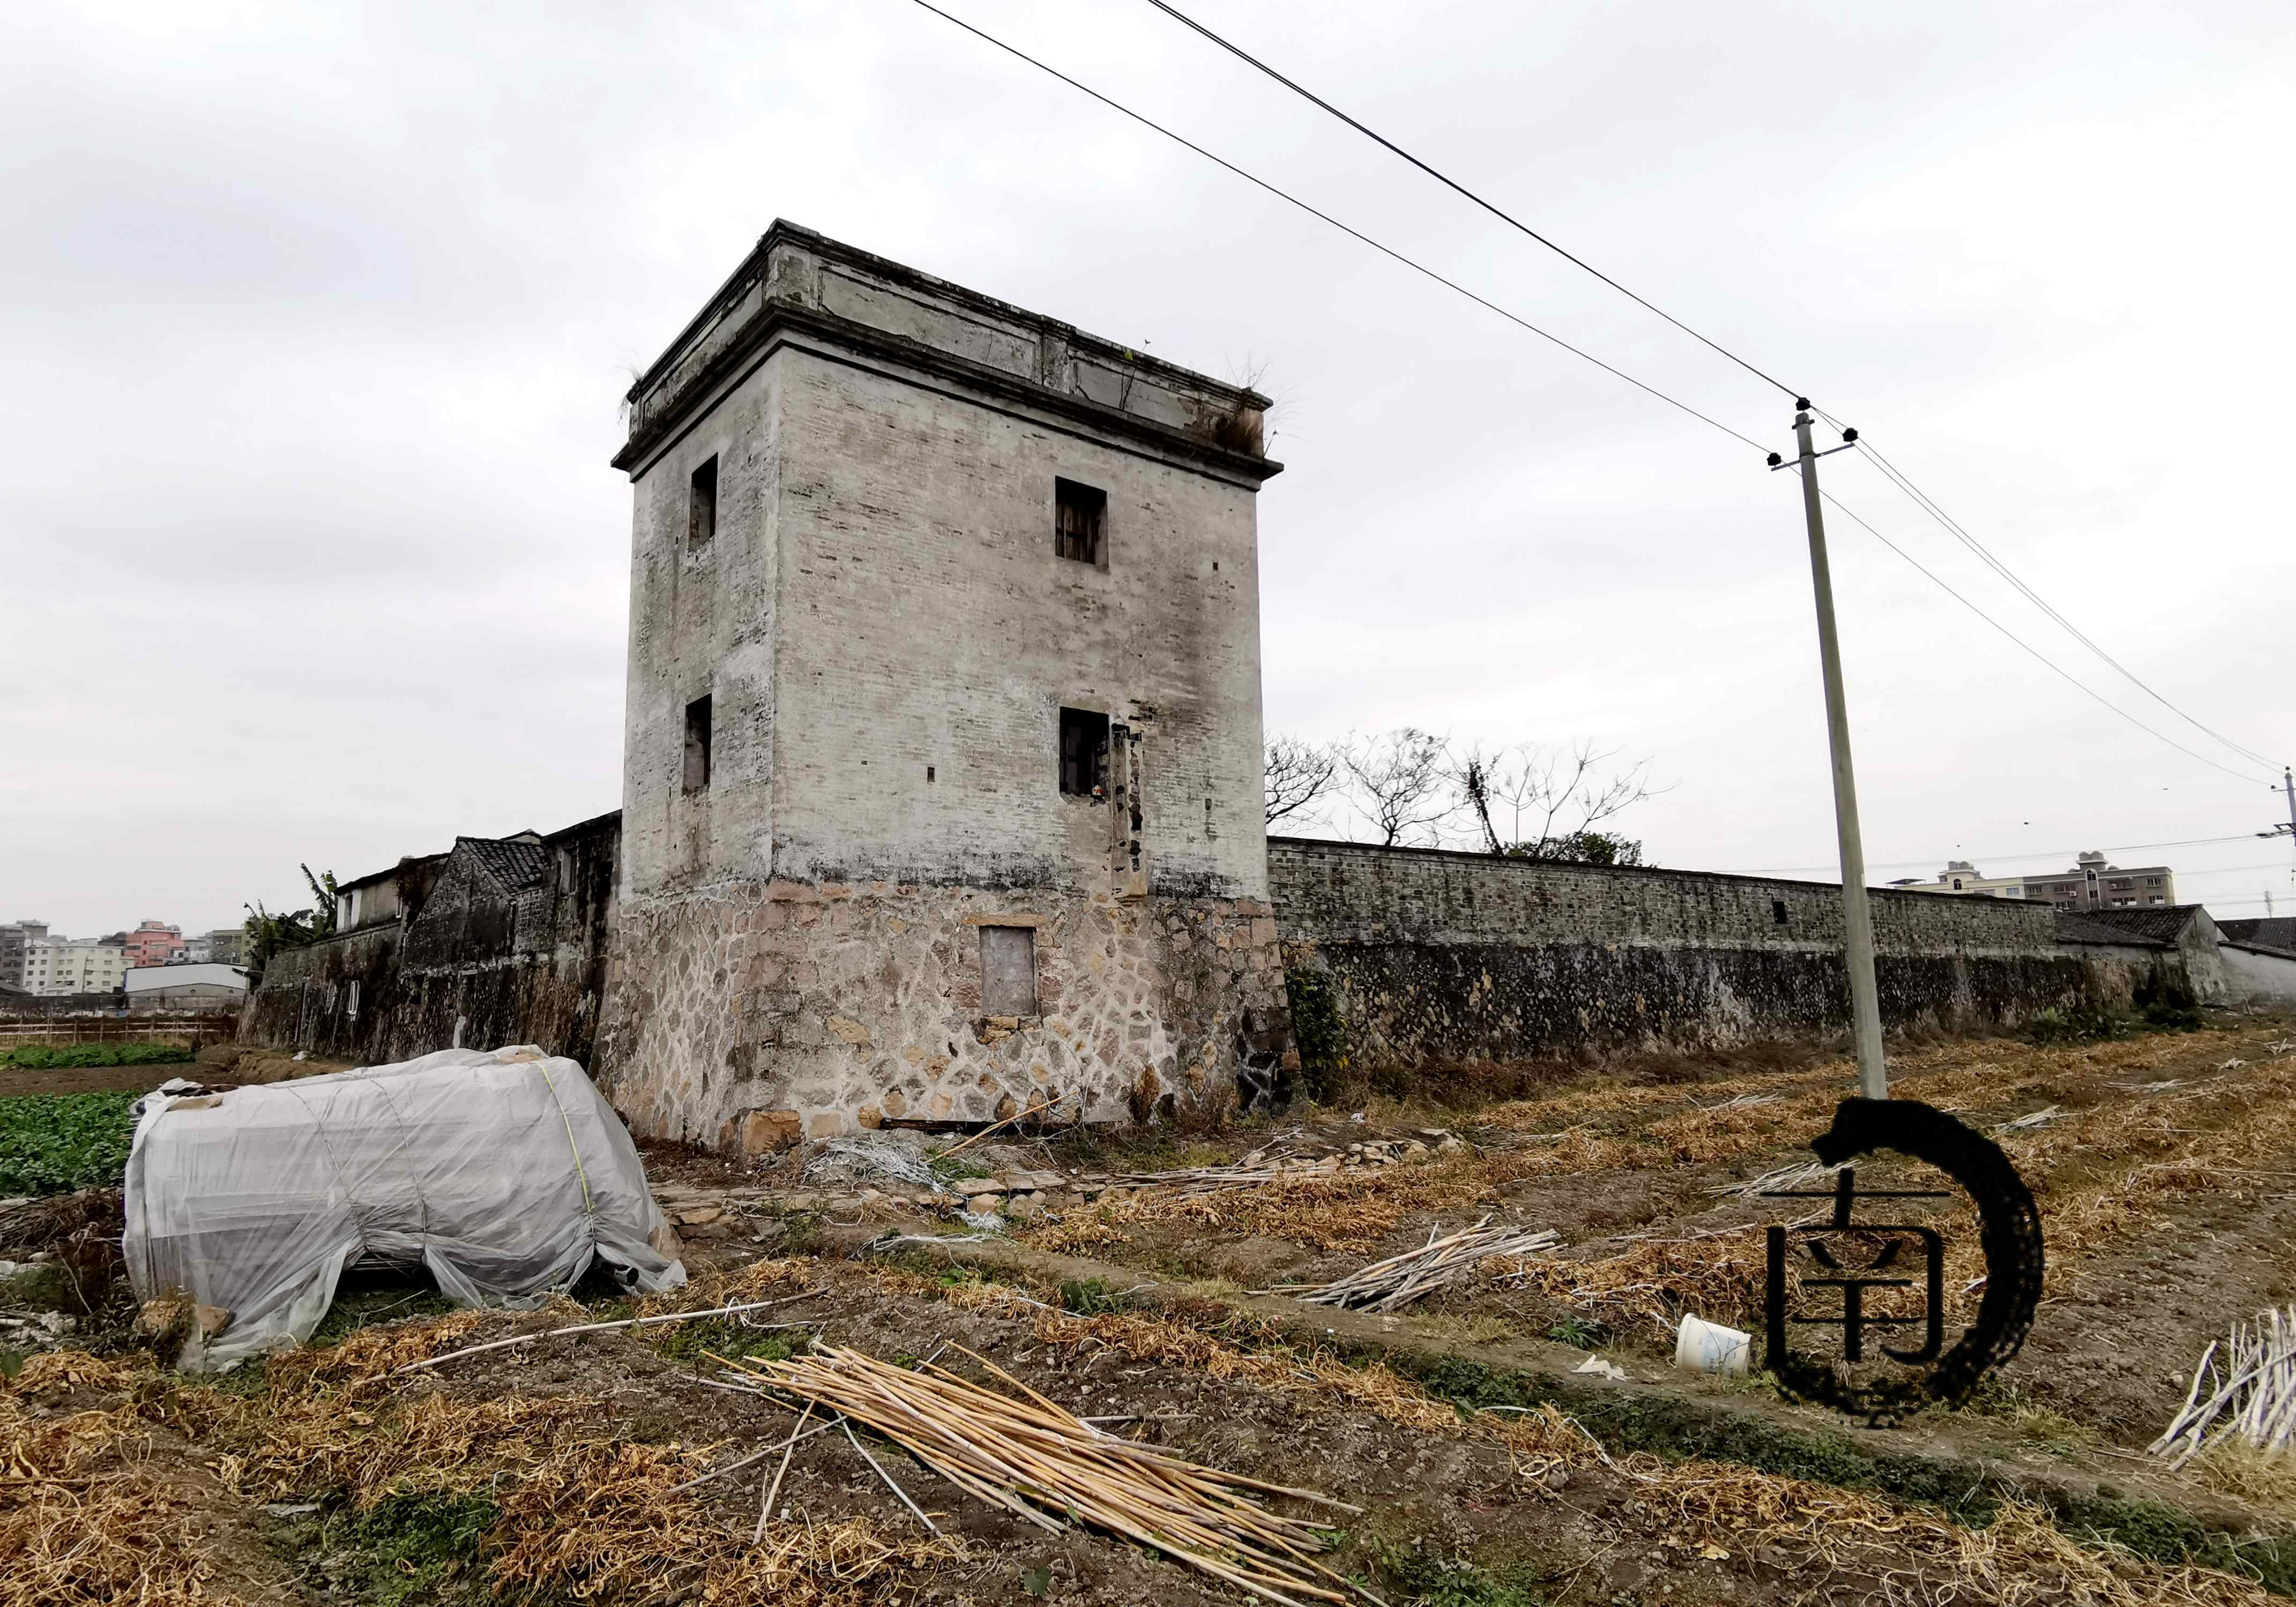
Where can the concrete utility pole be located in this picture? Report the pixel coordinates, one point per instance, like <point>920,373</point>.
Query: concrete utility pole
<point>1857,909</point>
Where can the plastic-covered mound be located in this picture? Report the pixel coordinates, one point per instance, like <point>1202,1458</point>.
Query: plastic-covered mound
<point>503,1175</point>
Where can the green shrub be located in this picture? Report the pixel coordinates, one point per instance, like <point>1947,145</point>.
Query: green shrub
<point>41,1057</point>
<point>52,1143</point>
<point>1318,1029</point>
<point>2083,1023</point>
<point>1088,1297</point>
<point>410,1546</point>
<point>1579,1333</point>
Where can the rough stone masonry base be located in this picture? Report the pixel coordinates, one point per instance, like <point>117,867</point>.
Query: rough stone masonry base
<point>754,1013</point>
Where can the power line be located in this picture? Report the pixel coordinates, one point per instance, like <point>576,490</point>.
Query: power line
<point>1446,180</point>
<point>1385,250</point>
<point>1953,527</point>
<point>2121,848</point>
<point>1920,498</point>
<point>2053,666</point>
<point>1514,318</point>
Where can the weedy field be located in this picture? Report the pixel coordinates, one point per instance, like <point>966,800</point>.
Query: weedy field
<point>661,1463</point>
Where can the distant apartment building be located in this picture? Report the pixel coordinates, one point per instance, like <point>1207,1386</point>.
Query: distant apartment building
<point>16,940</point>
<point>2090,884</point>
<point>221,947</point>
<point>153,943</point>
<point>60,965</point>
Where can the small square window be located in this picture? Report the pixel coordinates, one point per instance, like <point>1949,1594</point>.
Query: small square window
<point>697,745</point>
<point>1079,512</point>
<point>1008,970</point>
<point>1084,754</point>
<point>1778,911</point>
<point>701,507</point>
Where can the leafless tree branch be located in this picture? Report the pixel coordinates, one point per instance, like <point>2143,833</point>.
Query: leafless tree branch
<point>1298,774</point>
<point>1544,803</point>
<point>1401,783</point>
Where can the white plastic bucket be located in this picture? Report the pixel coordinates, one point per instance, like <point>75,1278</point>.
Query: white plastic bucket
<point>1705,1347</point>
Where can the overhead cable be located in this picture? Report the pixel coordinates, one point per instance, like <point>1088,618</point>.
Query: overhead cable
<point>2055,668</point>
<point>2117,847</point>
<point>1385,250</point>
<point>1953,528</point>
<point>1446,180</point>
<point>1516,319</point>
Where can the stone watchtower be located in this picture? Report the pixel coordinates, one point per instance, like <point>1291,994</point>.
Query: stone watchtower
<point>941,780</point>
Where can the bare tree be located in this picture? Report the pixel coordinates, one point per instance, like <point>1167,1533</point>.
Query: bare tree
<point>1299,772</point>
<point>1402,779</point>
<point>1544,803</point>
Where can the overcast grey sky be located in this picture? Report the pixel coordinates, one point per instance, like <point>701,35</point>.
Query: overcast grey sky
<point>316,320</point>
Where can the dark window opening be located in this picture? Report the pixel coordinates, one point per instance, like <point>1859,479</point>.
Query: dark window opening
<point>697,745</point>
<point>1078,513</point>
<point>702,506</point>
<point>928,776</point>
<point>1008,970</point>
<point>1778,911</point>
<point>1084,753</point>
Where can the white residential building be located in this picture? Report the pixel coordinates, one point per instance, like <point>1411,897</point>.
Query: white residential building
<point>2091,884</point>
<point>61,965</point>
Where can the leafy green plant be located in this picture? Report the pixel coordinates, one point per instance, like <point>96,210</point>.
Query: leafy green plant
<point>1429,1576</point>
<point>42,1057</point>
<point>1579,1333</point>
<point>52,1143</point>
<point>730,1338</point>
<point>268,932</point>
<point>954,1168</point>
<point>2082,1023</point>
<point>1088,1297</point>
<point>410,1545</point>
<point>1318,1028</point>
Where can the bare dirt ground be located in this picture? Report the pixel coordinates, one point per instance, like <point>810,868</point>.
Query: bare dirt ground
<point>1490,1474</point>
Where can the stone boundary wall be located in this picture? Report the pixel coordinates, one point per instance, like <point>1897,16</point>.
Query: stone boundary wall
<point>1433,956</point>
<point>474,966</point>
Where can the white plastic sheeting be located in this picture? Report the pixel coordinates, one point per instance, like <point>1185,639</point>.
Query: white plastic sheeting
<point>503,1175</point>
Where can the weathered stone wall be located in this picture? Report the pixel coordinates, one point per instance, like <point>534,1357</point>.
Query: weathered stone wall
<point>758,1013</point>
<point>474,965</point>
<point>2120,972</point>
<point>1436,956</point>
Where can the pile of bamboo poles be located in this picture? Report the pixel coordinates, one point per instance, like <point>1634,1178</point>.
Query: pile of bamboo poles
<point>1032,1458</point>
<point>2252,1397</point>
<point>1391,1284</point>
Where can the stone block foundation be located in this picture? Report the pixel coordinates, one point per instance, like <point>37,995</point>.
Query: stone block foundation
<point>746,1015</point>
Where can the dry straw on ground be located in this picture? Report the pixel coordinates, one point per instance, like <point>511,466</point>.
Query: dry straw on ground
<point>1047,1465</point>
<point>1395,1282</point>
<point>2020,1559</point>
<point>1350,1210</point>
<point>89,1513</point>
